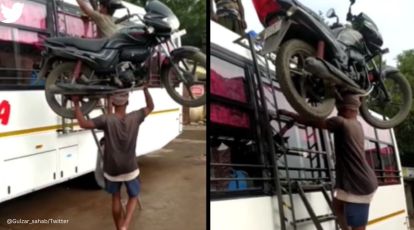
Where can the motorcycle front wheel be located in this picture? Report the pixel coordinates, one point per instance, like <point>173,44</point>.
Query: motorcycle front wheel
<point>385,114</point>
<point>309,95</point>
<point>191,91</point>
<point>61,104</point>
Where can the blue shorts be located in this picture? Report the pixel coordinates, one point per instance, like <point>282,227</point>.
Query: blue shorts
<point>356,214</point>
<point>133,187</point>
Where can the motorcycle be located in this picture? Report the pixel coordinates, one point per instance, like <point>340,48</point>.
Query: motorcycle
<point>316,63</point>
<point>95,68</point>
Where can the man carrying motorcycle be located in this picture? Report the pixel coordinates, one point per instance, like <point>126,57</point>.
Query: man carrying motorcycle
<point>120,165</point>
<point>356,181</point>
<point>103,16</point>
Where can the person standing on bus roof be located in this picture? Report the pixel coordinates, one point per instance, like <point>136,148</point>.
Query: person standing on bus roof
<point>230,14</point>
<point>267,11</point>
<point>103,16</point>
<point>356,181</point>
<point>119,159</point>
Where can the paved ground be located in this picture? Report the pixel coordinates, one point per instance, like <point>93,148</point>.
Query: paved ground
<point>173,194</point>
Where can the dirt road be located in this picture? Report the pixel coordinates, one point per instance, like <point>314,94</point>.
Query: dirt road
<point>173,195</point>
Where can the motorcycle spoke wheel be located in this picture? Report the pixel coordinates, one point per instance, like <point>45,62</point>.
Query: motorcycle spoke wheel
<point>187,86</point>
<point>61,104</point>
<point>383,113</point>
<point>309,95</point>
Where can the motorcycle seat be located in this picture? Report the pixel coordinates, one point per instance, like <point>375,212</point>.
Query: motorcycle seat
<point>93,45</point>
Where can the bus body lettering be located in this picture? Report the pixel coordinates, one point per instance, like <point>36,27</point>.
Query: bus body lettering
<point>4,112</point>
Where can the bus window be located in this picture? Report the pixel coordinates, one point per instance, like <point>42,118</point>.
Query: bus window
<point>226,69</point>
<point>384,135</point>
<point>372,156</point>
<point>390,169</point>
<point>369,131</point>
<point>21,38</point>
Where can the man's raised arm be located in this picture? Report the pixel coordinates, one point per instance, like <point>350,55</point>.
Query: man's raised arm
<point>321,124</point>
<point>86,8</point>
<point>148,99</point>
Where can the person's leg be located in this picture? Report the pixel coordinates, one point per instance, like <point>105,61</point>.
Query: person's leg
<point>133,188</point>
<point>339,209</point>
<point>117,210</point>
<point>114,188</point>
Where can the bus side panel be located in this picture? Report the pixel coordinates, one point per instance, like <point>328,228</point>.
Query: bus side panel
<point>159,127</point>
<point>388,206</point>
<point>242,214</point>
<point>28,173</point>
<point>262,213</point>
<point>397,222</point>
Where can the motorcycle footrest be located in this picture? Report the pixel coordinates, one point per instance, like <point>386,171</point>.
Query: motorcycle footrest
<point>80,87</point>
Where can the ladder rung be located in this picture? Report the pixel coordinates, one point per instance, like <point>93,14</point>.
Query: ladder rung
<point>321,219</point>
<point>311,188</point>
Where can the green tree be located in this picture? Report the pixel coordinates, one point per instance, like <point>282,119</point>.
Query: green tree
<point>192,16</point>
<point>405,131</point>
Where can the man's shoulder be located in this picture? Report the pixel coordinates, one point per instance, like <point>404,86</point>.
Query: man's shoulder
<point>334,123</point>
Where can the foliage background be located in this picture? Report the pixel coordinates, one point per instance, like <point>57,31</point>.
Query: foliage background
<point>405,131</point>
<point>192,16</point>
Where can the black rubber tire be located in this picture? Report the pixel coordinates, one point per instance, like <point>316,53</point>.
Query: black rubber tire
<point>407,96</point>
<point>200,58</point>
<point>286,51</point>
<point>51,99</point>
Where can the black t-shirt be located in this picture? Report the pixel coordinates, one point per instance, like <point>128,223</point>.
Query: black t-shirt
<point>353,173</point>
<point>120,141</point>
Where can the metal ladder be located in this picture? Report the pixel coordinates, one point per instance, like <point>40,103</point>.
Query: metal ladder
<point>279,151</point>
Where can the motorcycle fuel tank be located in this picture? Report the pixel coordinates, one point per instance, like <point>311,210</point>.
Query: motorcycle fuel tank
<point>350,37</point>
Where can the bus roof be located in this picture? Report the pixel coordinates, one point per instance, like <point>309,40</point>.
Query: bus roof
<point>121,12</point>
<point>224,38</point>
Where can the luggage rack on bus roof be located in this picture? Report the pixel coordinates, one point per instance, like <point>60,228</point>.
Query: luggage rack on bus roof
<point>278,151</point>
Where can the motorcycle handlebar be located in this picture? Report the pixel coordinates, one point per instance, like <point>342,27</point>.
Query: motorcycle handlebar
<point>126,17</point>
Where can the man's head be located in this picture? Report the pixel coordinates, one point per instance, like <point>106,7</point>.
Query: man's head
<point>120,99</point>
<point>348,106</point>
<point>108,7</point>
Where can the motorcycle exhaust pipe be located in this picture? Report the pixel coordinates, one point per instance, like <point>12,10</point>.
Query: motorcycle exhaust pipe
<point>327,71</point>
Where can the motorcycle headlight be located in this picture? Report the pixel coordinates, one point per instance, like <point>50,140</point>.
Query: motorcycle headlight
<point>173,22</point>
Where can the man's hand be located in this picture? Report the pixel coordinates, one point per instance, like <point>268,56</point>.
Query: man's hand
<point>83,123</point>
<point>76,100</point>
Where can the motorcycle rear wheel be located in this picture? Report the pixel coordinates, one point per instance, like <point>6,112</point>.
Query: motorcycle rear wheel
<point>310,96</point>
<point>194,69</point>
<point>61,104</point>
<point>401,95</point>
